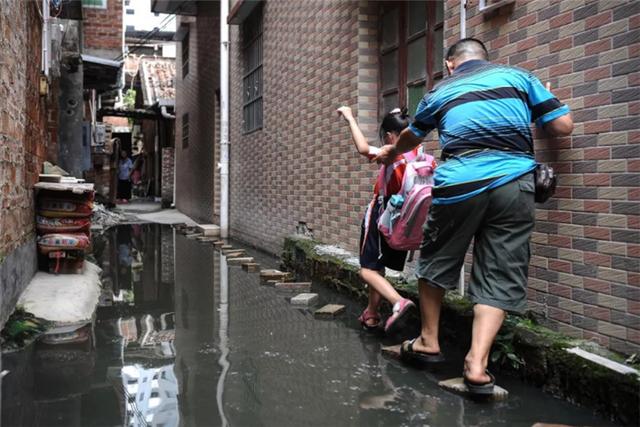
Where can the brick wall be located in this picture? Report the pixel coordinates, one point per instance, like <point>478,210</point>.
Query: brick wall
<point>23,145</point>
<point>302,165</point>
<point>196,95</point>
<point>102,30</point>
<point>584,277</point>
<point>167,176</point>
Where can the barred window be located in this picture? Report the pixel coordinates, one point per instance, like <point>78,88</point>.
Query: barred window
<point>185,130</point>
<point>95,4</point>
<point>411,52</point>
<point>252,76</point>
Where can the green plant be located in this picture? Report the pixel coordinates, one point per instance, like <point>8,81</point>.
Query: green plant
<point>129,99</point>
<point>21,327</point>
<point>504,354</point>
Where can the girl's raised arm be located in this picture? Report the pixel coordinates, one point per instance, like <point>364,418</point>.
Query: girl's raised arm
<point>359,140</point>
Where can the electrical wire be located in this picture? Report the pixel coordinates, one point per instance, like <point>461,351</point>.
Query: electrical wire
<point>153,32</point>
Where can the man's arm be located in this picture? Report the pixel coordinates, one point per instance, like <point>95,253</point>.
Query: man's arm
<point>562,126</point>
<point>407,141</point>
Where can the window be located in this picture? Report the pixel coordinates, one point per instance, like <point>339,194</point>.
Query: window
<point>252,76</point>
<point>185,55</point>
<point>95,4</point>
<point>411,52</point>
<point>185,130</point>
<point>130,11</point>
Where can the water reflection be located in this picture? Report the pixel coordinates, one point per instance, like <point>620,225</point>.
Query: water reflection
<point>181,339</point>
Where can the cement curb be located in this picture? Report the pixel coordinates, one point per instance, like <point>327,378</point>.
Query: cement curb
<point>549,363</point>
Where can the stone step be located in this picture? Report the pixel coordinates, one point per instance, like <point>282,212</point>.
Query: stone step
<point>193,235</point>
<point>227,247</point>
<point>391,350</point>
<point>233,253</point>
<point>209,230</point>
<point>329,311</point>
<point>218,244</point>
<point>279,276</point>
<point>205,239</point>
<point>294,286</point>
<point>238,261</point>
<point>304,299</point>
<point>457,385</point>
<point>251,267</point>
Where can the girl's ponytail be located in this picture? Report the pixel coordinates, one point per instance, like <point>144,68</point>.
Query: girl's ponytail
<point>395,121</point>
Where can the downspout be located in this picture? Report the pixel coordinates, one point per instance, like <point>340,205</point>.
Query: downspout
<point>46,38</point>
<point>463,34</point>
<point>224,119</point>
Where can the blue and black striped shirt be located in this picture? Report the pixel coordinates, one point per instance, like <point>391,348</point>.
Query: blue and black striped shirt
<point>483,114</point>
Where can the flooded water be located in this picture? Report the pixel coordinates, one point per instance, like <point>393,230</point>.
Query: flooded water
<point>180,338</point>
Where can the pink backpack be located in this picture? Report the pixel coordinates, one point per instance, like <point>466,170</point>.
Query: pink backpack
<point>402,227</point>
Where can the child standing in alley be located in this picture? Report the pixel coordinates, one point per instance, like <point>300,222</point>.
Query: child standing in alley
<point>375,254</point>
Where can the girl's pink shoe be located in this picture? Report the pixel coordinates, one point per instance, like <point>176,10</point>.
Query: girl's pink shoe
<point>366,316</point>
<point>400,311</point>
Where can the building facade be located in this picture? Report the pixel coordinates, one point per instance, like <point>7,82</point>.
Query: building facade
<point>24,140</point>
<point>292,161</point>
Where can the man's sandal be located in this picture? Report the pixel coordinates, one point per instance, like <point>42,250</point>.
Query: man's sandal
<point>410,355</point>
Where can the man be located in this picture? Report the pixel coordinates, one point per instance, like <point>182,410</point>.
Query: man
<point>483,189</point>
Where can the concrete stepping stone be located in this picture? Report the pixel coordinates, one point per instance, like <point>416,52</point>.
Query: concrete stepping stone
<point>227,247</point>
<point>457,385</point>
<point>193,236</point>
<point>251,267</point>
<point>391,351</point>
<point>234,253</point>
<point>329,311</point>
<point>279,276</point>
<point>238,261</point>
<point>294,286</point>
<point>205,239</point>
<point>304,299</point>
<point>269,282</point>
<point>209,230</point>
<point>218,244</point>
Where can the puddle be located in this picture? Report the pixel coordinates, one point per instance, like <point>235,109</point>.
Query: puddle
<point>180,338</point>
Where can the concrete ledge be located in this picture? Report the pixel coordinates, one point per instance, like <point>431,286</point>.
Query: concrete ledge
<point>66,300</point>
<point>547,363</point>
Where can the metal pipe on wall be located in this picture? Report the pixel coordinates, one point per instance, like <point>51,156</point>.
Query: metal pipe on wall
<point>224,120</point>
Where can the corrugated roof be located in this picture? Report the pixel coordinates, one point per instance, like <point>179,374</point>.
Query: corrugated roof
<point>157,77</point>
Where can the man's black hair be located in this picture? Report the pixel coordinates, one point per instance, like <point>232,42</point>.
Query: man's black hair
<point>468,46</point>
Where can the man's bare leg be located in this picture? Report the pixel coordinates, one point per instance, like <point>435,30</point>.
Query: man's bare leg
<point>487,321</point>
<point>430,303</point>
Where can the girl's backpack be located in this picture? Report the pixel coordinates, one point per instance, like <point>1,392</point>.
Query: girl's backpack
<point>402,226</point>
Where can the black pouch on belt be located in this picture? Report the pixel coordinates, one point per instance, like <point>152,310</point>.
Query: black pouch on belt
<point>546,181</point>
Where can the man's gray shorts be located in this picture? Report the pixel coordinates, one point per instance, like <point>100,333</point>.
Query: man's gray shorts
<point>500,221</point>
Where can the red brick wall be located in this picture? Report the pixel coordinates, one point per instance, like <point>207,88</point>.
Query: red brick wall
<point>102,28</point>
<point>23,117</point>
<point>196,95</point>
<point>584,275</point>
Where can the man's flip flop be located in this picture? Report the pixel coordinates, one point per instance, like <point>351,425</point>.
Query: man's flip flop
<point>407,353</point>
<point>485,388</point>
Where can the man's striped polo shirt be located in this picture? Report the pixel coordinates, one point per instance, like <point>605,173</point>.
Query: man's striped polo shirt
<point>483,114</point>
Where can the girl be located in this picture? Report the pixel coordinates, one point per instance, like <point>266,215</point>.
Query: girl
<point>375,254</point>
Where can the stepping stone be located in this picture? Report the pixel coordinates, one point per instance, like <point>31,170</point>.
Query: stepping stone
<point>329,310</point>
<point>392,351</point>
<point>193,235</point>
<point>305,299</point>
<point>219,244</point>
<point>234,252</point>
<point>205,239</point>
<point>269,282</point>
<point>227,247</point>
<point>457,385</point>
<point>238,261</point>
<point>294,286</point>
<point>209,230</point>
<point>250,267</point>
<point>277,275</point>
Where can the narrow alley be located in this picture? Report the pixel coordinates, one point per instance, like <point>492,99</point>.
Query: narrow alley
<point>319,212</point>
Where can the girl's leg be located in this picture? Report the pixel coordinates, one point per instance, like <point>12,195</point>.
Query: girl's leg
<point>377,282</point>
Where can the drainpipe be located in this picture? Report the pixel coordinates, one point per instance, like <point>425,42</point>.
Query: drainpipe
<point>224,120</point>
<point>165,114</point>
<point>463,19</point>
<point>463,34</point>
<point>46,38</point>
